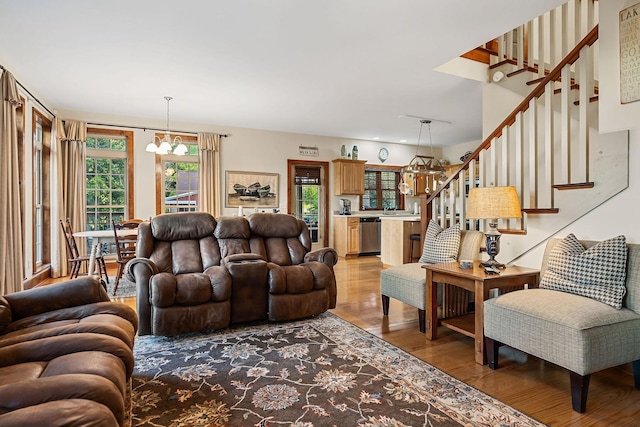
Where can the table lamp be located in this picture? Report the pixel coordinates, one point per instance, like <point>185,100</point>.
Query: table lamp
<point>493,203</point>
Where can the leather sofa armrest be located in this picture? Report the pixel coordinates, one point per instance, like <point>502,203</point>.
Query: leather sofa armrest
<point>132,272</point>
<point>327,256</point>
<point>277,279</point>
<point>140,270</point>
<point>67,294</point>
<point>240,258</point>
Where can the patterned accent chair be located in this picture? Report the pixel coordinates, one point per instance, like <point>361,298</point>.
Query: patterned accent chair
<point>407,283</point>
<point>575,332</point>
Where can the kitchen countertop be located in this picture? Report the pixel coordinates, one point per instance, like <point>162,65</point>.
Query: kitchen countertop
<point>398,215</point>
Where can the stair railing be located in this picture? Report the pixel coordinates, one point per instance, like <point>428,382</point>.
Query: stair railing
<point>528,132</point>
<point>541,43</point>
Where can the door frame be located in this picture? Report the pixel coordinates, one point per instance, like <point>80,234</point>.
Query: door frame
<point>324,182</point>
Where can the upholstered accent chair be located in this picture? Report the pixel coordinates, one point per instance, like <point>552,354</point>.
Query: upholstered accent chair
<point>579,333</point>
<point>407,283</point>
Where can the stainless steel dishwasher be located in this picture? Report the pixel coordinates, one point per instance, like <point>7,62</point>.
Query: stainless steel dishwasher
<point>369,236</point>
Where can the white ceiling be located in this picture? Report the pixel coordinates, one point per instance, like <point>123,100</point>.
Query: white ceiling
<point>344,68</point>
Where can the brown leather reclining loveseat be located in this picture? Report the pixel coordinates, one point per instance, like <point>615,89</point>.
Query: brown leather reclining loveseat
<point>65,356</point>
<point>194,272</point>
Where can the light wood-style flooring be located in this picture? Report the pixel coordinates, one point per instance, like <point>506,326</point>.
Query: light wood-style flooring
<point>536,388</point>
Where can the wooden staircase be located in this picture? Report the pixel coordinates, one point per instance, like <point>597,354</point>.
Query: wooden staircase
<point>549,146</point>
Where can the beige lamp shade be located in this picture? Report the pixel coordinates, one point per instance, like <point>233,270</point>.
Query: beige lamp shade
<point>493,203</point>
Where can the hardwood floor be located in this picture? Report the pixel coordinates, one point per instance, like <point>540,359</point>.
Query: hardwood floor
<point>530,385</point>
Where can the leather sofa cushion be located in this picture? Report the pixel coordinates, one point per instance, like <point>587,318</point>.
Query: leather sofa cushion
<point>299,279</point>
<point>186,226</point>
<point>190,289</point>
<point>232,228</point>
<point>186,257</point>
<point>61,413</point>
<point>271,225</point>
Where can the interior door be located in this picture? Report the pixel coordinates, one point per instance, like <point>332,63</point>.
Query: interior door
<point>308,197</point>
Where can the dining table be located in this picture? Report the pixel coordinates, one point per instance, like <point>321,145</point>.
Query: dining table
<point>98,238</point>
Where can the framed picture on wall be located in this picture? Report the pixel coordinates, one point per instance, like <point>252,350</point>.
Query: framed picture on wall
<point>251,189</point>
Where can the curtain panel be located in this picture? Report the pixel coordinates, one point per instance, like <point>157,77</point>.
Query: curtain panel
<point>11,221</point>
<point>71,136</point>
<point>209,173</point>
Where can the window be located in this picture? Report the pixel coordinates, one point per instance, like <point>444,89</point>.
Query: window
<point>109,177</point>
<point>381,190</point>
<point>179,179</point>
<point>307,185</point>
<point>41,170</point>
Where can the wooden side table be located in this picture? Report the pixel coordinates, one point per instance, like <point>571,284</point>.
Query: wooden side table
<point>477,281</point>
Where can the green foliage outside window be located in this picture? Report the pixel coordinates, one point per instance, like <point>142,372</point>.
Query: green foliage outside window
<point>106,188</point>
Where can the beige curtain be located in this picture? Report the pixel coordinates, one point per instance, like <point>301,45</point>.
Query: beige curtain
<point>209,173</point>
<point>71,136</point>
<point>11,245</point>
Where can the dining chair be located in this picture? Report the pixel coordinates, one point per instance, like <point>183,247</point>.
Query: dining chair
<point>75,259</point>
<point>125,250</point>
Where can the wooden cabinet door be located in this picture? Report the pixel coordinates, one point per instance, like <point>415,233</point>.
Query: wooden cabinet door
<point>348,177</point>
<point>353,236</point>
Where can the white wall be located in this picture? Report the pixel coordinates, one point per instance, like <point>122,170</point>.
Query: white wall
<point>247,150</point>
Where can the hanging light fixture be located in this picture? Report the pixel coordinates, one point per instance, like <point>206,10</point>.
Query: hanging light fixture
<point>165,145</point>
<point>424,165</point>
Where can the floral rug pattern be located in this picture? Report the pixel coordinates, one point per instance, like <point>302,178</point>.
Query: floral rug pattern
<point>318,372</point>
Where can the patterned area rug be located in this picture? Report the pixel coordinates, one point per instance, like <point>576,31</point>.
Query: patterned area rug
<point>319,372</point>
<point>126,288</point>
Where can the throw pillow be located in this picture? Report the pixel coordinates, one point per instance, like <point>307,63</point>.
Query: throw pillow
<point>440,245</point>
<point>598,272</point>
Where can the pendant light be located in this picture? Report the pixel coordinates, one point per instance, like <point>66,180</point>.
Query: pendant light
<point>165,145</point>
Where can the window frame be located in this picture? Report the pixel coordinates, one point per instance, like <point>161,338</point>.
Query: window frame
<point>161,158</point>
<point>129,184</point>
<point>41,182</point>
<point>400,198</point>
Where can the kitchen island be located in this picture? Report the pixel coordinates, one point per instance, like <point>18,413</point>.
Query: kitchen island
<point>395,244</point>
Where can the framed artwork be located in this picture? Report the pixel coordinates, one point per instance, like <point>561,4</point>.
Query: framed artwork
<point>251,189</point>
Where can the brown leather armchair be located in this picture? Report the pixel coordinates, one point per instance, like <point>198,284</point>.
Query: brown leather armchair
<point>194,272</point>
<point>65,355</point>
<point>181,286</point>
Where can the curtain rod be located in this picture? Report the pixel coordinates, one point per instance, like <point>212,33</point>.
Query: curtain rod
<point>222,135</point>
<point>101,124</point>
<point>31,97</point>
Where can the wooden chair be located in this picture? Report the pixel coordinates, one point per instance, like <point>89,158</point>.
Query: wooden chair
<point>75,259</point>
<point>125,249</point>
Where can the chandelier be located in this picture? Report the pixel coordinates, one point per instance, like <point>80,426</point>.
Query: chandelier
<point>165,145</point>
<point>424,165</point>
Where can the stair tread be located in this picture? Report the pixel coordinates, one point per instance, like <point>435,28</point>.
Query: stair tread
<point>540,210</point>
<point>574,186</point>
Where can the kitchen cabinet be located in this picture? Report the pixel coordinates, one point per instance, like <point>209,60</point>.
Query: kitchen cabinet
<point>348,177</point>
<point>346,235</point>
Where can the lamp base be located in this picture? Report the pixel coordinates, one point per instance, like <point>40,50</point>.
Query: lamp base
<point>493,246</point>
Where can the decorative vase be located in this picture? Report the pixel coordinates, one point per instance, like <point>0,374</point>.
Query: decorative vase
<point>343,152</point>
<point>354,153</point>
